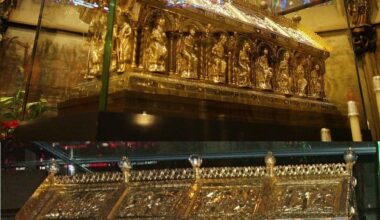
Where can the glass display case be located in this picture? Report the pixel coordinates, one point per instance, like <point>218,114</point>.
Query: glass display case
<point>152,61</point>
<point>98,158</point>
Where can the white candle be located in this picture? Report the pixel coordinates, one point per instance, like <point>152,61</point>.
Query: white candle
<point>325,135</point>
<point>376,88</point>
<point>353,115</point>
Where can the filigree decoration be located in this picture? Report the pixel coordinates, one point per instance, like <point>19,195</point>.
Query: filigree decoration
<point>87,178</point>
<point>164,174</point>
<point>205,173</point>
<point>315,169</point>
<point>232,172</point>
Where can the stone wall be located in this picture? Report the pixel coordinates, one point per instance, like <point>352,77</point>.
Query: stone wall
<point>341,77</point>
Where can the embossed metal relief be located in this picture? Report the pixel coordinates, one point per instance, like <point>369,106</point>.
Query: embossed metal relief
<point>313,198</point>
<point>187,52</point>
<point>229,46</point>
<point>267,192</point>
<point>159,202</point>
<point>240,201</point>
<point>79,203</point>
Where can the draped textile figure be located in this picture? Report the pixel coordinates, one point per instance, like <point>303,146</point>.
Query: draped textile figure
<point>264,72</point>
<point>301,81</point>
<point>157,52</point>
<point>187,63</point>
<point>315,82</point>
<point>284,81</point>
<point>244,69</point>
<point>218,64</point>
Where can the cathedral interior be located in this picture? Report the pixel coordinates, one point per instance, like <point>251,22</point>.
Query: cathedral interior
<point>118,109</point>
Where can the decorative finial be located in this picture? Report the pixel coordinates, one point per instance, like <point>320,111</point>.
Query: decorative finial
<point>196,163</point>
<point>270,161</point>
<point>297,18</point>
<point>264,5</point>
<point>195,160</point>
<point>350,157</point>
<point>325,135</point>
<point>53,167</point>
<point>125,166</point>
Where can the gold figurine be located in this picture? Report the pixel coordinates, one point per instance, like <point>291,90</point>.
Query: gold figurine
<point>156,51</point>
<point>96,38</point>
<point>123,45</point>
<point>187,60</point>
<point>264,72</point>
<point>315,82</point>
<point>301,81</point>
<point>243,70</point>
<point>218,65</point>
<point>284,80</point>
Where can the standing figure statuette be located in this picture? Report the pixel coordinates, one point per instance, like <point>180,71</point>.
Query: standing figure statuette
<point>187,63</point>
<point>301,80</point>
<point>123,46</point>
<point>244,70</point>
<point>264,72</point>
<point>157,52</point>
<point>315,82</point>
<point>284,81</point>
<point>218,64</point>
<point>96,31</point>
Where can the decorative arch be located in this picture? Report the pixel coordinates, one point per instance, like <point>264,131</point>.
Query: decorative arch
<point>186,23</point>
<point>149,20</point>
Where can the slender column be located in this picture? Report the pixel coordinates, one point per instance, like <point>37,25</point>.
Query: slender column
<point>229,70</point>
<point>363,37</point>
<point>376,87</point>
<point>172,53</point>
<point>353,116</point>
<point>34,52</point>
<point>107,57</point>
<point>144,32</point>
<point>134,51</point>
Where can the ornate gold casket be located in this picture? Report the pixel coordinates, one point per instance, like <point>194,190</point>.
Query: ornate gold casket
<point>230,52</point>
<point>323,191</point>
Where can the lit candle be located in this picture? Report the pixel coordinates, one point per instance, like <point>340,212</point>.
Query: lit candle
<point>325,135</point>
<point>376,88</point>
<point>353,115</point>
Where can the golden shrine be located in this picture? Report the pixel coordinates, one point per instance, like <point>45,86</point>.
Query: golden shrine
<point>231,52</point>
<point>263,192</point>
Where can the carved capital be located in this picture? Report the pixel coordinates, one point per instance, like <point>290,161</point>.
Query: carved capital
<point>364,39</point>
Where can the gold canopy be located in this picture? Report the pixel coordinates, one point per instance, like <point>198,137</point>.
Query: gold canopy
<point>268,192</point>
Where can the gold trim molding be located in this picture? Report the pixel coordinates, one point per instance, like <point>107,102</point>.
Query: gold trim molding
<point>263,192</point>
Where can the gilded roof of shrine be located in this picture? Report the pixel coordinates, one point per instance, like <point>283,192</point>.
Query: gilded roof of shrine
<point>262,192</point>
<point>251,15</point>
